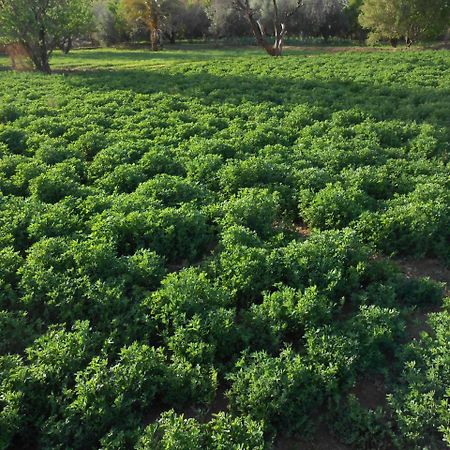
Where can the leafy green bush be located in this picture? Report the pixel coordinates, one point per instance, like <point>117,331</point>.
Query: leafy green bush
<point>247,270</point>
<point>256,209</point>
<point>414,224</point>
<point>175,233</point>
<point>8,113</point>
<point>16,172</point>
<point>282,391</point>
<point>334,261</point>
<point>14,138</point>
<point>57,182</point>
<point>10,262</point>
<point>253,172</point>
<point>172,190</point>
<point>170,235</point>
<point>222,432</point>
<point>334,206</point>
<point>183,295</point>
<point>286,313</point>
<point>123,178</point>
<point>420,403</point>
<point>361,427</point>
<point>104,396</point>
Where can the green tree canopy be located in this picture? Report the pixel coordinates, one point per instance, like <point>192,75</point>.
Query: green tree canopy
<point>409,19</point>
<point>40,25</point>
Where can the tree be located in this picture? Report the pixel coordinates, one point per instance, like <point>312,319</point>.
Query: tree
<point>326,17</point>
<point>40,26</point>
<point>352,12</point>
<point>408,19</point>
<point>305,17</point>
<point>109,24</point>
<point>148,12</point>
<point>279,19</point>
<point>225,21</point>
<point>185,18</point>
<point>428,19</point>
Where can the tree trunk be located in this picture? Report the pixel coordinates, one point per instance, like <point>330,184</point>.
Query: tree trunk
<point>66,45</point>
<point>279,26</point>
<point>153,22</point>
<point>40,56</point>
<point>257,29</point>
<point>154,40</point>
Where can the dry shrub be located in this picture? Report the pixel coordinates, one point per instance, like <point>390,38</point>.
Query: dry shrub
<point>20,57</point>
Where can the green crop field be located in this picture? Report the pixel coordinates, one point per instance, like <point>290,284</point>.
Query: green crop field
<point>214,249</point>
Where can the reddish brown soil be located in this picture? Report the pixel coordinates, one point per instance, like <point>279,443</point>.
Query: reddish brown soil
<point>426,267</point>
<point>322,440</point>
<point>371,392</point>
<point>419,268</point>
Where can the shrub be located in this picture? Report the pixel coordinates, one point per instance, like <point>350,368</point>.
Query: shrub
<point>247,271</point>
<point>183,295</point>
<point>361,427</point>
<point>9,113</point>
<point>222,432</point>
<point>334,206</point>
<point>105,396</point>
<point>160,160</point>
<point>16,332</point>
<point>256,209</point>
<point>56,150</point>
<point>10,262</point>
<point>178,234</point>
<point>255,171</point>
<point>282,391</point>
<point>172,190</point>
<point>415,224</point>
<point>58,182</point>
<point>123,178</point>
<point>420,400</point>
<point>334,261</point>
<point>106,160</point>
<point>14,137</point>
<point>288,312</point>
<point>377,330</point>
<point>205,169</point>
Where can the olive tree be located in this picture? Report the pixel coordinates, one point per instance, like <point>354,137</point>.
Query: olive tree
<point>272,19</point>
<point>40,26</point>
<point>407,19</point>
<point>146,12</point>
<point>279,11</point>
<point>110,28</point>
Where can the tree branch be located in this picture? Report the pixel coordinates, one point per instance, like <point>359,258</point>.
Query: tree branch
<point>289,14</point>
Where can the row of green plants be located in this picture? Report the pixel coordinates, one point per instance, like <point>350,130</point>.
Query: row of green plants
<point>156,288</point>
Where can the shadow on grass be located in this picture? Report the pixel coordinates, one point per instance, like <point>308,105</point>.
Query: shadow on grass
<point>181,54</point>
<point>381,101</point>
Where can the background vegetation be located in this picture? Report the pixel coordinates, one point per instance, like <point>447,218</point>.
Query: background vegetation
<point>195,250</point>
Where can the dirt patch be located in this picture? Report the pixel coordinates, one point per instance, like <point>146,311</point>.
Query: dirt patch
<point>322,440</point>
<point>426,267</point>
<point>302,230</point>
<point>219,404</point>
<point>417,323</point>
<point>371,392</point>
<point>420,268</point>
<point>296,228</point>
<point>184,263</point>
<point>338,49</point>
